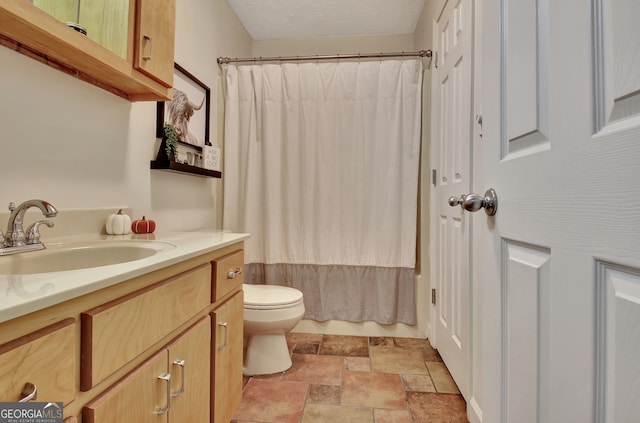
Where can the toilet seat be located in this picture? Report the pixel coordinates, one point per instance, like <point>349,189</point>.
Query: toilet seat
<point>269,297</point>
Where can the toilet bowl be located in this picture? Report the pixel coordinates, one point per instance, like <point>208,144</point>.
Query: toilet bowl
<point>270,311</point>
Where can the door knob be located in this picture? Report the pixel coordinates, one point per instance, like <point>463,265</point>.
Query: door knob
<point>474,202</point>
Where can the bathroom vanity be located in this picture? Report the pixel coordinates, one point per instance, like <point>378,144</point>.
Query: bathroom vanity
<point>156,339</point>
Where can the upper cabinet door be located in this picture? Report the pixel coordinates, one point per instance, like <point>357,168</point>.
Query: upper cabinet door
<point>155,39</point>
<point>35,31</point>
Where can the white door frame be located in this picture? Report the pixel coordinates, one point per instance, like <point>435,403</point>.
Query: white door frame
<point>474,400</point>
<point>454,164</point>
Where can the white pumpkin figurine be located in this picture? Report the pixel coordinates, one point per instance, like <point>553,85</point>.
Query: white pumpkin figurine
<point>118,224</point>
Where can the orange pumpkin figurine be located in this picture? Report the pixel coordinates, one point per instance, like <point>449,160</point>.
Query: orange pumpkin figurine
<point>143,226</point>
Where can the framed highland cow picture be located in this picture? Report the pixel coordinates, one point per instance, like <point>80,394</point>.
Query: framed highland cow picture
<point>188,112</point>
<point>182,125</point>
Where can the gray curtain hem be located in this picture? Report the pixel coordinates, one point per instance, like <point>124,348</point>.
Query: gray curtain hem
<point>349,293</point>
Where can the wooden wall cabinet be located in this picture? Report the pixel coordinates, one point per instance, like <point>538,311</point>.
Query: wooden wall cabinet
<point>146,73</point>
<point>155,39</point>
<point>123,338</point>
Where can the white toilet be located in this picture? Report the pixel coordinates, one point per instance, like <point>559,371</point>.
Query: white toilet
<point>270,311</point>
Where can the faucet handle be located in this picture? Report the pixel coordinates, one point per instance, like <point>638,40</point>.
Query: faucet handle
<point>33,234</point>
<point>12,206</point>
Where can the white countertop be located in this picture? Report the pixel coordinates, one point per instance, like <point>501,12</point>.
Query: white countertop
<point>23,294</point>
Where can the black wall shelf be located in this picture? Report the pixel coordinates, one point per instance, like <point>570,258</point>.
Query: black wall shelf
<point>184,168</point>
<point>164,162</point>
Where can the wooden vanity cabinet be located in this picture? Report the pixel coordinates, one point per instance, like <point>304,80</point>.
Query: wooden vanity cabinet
<point>102,353</point>
<point>31,31</point>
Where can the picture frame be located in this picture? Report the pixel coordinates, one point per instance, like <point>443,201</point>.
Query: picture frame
<point>196,92</point>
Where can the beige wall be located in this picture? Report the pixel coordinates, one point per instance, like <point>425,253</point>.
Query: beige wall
<point>78,146</point>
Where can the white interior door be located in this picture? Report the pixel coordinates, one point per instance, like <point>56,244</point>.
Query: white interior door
<point>560,261</point>
<point>450,152</point>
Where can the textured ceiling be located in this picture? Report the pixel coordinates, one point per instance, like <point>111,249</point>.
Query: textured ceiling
<point>273,19</point>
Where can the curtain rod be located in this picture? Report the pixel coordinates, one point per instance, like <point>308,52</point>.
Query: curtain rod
<point>421,53</point>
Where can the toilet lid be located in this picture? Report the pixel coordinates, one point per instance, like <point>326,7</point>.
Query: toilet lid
<point>270,295</point>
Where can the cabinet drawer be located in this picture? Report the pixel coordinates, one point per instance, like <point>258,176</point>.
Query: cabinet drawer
<point>223,283</point>
<point>115,333</point>
<point>45,358</point>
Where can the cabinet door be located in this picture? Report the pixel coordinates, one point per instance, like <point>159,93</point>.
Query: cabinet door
<point>226,351</point>
<point>46,359</point>
<point>138,398</point>
<point>189,365</point>
<point>155,33</point>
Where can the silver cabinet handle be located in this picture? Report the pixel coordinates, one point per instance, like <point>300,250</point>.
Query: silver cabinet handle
<point>233,273</point>
<point>474,202</point>
<point>224,325</point>
<point>148,57</point>
<point>30,392</point>
<point>181,390</point>
<point>167,378</point>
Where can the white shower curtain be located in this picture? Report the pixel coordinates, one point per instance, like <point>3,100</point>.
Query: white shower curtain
<point>321,167</point>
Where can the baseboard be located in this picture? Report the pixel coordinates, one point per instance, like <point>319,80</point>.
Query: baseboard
<point>340,327</point>
<point>474,413</point>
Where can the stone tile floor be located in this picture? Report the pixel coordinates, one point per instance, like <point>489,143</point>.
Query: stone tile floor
<point>355,379</point>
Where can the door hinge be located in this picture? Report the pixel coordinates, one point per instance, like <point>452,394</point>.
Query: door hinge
<point>433,296</point>
<point>433,177</point>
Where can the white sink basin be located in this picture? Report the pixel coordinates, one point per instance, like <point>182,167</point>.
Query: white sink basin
<point>84,255</point>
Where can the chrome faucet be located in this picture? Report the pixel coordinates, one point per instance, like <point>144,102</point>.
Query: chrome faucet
<point>15,240</point>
